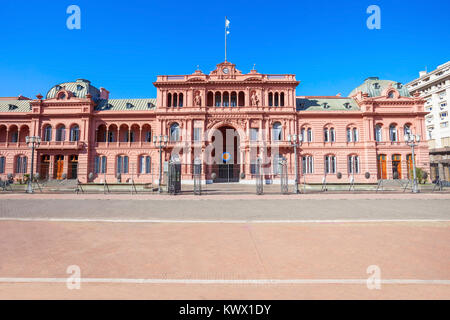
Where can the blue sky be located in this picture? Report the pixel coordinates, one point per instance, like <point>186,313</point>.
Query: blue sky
<point>122,46</point>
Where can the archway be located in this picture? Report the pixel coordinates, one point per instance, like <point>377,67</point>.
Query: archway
<point>226,154</point>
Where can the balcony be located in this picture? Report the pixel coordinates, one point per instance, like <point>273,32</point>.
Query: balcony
<point>61,145</point>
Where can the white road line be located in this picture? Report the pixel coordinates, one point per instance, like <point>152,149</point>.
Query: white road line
<point>218,221</point>
<point>224,281</point>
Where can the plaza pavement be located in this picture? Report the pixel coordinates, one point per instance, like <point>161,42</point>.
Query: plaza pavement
<point>240,247</point>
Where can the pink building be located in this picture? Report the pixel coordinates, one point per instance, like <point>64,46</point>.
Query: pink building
<point>88,136</point>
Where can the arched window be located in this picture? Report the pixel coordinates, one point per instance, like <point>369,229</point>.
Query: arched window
<point>218,99</point>
<point>302,133</point>
<point>61,133</point>
<point>14,136</point>
<point>276,131</point>
<point>169,100</point>
<point>226,99</point>
<point>100,164</point>
<point>307,164</point>
<point>148,136</point>
<point>326,135</point>
<point>330,164</point>
<point>332,135</point>
<point>75,133</point>
<point>282,99</point>
<point>122,164</point>
<point>270,99</point>
<point>378,133</point>
<point>174,99</point>
<point>310,135</point>
<point>180,100</point>
<point>144,164</point>
<point>393,133</point>
<point>48,133</point>
<point>349,135</point>
<point>233,101</point>
<point>353,164</point>
<point>407,131</point>
<point>2,164</point>
<point>276,99</point>
<point>21,164</point>
<point>175,132</point>
<point>241,99</point>
<point>210,99</point>
<point>355,135</point>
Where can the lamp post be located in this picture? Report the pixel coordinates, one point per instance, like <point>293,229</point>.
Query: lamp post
<point>160,142</point>
<point>295,141</point>
<point>413,140</point>
<point>32,142</point>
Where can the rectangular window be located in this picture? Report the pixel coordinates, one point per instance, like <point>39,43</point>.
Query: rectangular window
<point>254,134</point>
<point>122,164</point>
<point>349,135</point>
<point>97,164</point>
<point>148,165</point>
<point>253,168</point>
<point>100,164</point>
<point>330,164</point>
<point>21,165</point>
<point>2,164</point>
<point>307,164</point>
<point>197,134</point>
<point>103,168</point>
<point>353,164</point>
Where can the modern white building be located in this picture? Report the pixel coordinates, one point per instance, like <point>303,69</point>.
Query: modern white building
<point>434,87</point>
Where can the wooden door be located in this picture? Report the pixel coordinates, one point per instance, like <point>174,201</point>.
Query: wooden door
<point>73,167</point>
<point>382,172</point>
<point>397,166</point>
<point>44,167</point>
<point>409,165</point>
<point>59,167</point>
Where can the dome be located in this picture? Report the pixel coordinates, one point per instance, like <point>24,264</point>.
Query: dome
<point>80,88</point>
<point>375,87</point>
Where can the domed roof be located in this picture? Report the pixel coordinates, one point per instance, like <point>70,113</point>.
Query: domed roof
<point>375,87</point>
<point>80,88</point>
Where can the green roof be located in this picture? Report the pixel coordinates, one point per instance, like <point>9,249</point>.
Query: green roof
<point>326,104</point>
<point>374,87</point>
<point>126,105</point>
<point>79,88</point>
<point>15,106</point>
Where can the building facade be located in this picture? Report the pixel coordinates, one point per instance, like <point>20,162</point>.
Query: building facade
<point>434,88</point>
<point>90,137</point>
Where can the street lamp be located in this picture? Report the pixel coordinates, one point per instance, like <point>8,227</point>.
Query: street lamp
<point>160,142</point>
<point>33,143</point>
<point>413,140</point>
<point>295,141</point>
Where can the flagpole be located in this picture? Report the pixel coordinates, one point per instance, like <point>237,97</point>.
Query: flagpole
<point>225,38</point>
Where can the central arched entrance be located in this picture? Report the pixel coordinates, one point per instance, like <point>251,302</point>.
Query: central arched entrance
<point>226,154</point>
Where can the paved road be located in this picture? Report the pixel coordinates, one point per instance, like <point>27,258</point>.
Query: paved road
<point>158,260</point>
<point>226,210</point>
